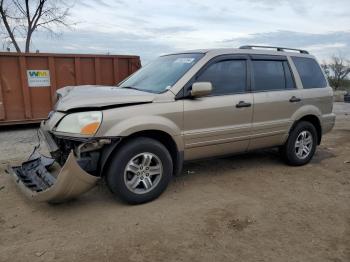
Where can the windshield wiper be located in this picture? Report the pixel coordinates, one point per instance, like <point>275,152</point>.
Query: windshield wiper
<point>135,88</point>
<point>130,87</point>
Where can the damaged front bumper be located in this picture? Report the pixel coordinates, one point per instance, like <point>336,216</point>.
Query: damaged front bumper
<point>39,184</point>
<point>35,179</point>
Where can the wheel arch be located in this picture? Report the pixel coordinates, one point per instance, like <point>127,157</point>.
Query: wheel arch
<point>311,114</point>
<point>172,144</point>
<point>314,120</point>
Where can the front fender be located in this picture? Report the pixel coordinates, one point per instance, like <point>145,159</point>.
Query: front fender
<point>136,124</point>
<point>132,125</point>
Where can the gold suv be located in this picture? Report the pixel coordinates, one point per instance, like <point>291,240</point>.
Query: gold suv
<point>184,106</point>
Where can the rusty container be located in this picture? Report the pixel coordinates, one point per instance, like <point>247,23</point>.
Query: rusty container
<point>28,82</point>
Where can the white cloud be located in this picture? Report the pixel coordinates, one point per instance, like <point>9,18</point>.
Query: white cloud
<point>321,47</point>
<point>151,27</point>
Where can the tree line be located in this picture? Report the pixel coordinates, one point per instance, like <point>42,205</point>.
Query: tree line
<point>337,71</point>
<point>19,19</point>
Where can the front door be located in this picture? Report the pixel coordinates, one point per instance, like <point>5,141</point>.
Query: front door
<point>220,123</point>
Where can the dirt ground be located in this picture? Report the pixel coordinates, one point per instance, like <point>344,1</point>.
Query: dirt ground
<point>243,208</point>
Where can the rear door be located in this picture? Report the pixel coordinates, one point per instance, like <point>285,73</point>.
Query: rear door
<point>276,98</point>
<point>220,123</point>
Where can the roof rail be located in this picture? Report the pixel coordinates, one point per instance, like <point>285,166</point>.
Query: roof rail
<point>281,49</point>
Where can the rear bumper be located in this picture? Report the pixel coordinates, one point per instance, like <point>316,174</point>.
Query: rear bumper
<point>35,179</point>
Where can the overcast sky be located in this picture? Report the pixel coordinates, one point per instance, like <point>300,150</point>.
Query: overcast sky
<point>152,27</point>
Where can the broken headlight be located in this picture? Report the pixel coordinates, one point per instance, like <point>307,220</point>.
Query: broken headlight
<point>85,123</point>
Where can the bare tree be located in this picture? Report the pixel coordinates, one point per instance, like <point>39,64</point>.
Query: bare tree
<point>21,18</point>
<point>337,70</point>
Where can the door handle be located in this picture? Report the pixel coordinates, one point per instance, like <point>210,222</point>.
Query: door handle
<point>294,99</point>
<point>243,104</point>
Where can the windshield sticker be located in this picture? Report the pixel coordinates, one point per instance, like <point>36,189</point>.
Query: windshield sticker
<point>184,60</point>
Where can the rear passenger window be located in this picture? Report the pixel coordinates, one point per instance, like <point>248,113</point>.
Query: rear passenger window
<point>227,77</point>
<point>310,72</point>
<point>271,75</point>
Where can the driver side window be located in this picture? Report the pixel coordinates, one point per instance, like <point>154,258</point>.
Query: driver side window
<point>227,77</point>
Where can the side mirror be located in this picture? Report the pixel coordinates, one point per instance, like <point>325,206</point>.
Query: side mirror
<point>200,89</point>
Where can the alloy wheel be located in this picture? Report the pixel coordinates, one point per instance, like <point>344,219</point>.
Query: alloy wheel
<point>143,173</point>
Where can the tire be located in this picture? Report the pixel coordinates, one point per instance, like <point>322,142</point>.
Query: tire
<point>306,135</point>
<point>140,170</point>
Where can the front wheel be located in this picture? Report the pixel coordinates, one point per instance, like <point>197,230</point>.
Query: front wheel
<point>140,170</point>
<point>301,144</point>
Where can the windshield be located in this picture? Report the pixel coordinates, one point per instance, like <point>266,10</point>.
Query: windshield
<point>162,73</point>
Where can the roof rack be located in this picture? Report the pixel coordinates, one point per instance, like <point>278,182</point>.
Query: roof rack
<point>281,49</point>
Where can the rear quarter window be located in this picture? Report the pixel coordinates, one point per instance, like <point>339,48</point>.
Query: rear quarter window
<point>310,72</point>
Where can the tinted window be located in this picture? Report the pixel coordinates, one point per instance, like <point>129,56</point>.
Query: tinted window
<point>309,72</point>
<point>268,75</point>
<point>227,76</point>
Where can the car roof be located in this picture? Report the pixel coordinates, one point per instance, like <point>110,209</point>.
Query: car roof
<point>226,51</point>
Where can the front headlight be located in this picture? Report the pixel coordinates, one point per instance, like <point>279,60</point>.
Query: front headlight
<point>85,123</point>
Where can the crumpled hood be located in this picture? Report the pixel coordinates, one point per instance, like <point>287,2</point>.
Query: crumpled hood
<point>94,96</point>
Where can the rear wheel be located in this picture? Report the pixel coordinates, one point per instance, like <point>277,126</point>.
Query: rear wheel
<point>140,170</point>
<point>301,144</point>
